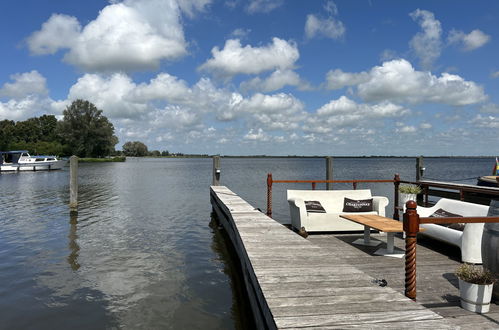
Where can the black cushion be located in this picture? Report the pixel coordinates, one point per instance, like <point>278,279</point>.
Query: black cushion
<point>441,213</point>
<point>314,207</point>
<point>357,205</point>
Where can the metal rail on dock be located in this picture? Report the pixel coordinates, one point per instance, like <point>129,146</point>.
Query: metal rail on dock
<point>464,192</point>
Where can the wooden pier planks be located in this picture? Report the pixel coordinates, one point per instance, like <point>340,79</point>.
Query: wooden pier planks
<point>437,285</point>
<point>293,283</point>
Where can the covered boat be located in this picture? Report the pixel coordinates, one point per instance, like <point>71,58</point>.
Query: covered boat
<point>20,160</point>
<point>490,180</point>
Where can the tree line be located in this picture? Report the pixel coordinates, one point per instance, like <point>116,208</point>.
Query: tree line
<point>83,131</point>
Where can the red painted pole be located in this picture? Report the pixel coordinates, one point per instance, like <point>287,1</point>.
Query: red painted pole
<point>269,195</point>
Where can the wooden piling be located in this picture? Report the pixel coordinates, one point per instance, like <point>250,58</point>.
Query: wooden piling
<point>329,172</point>
<point>73,184</point>
<point>216,171</point>
<point>396,183</point>
<point>419,168</point>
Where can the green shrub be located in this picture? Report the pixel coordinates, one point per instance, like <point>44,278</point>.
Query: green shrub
<point>409,189</point>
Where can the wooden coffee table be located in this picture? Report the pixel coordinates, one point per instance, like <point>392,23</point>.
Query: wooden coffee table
<point>387,225</point>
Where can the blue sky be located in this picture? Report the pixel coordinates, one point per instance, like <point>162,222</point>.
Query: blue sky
<point>263,77</point>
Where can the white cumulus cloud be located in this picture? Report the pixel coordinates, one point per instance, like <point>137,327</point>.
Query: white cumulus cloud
<point>328,27</point>
<point>471,41</point>
<point>275,112</point>
<point>277,80</point>
<point>337,79</point>
<point>398,81</point>
<point>235,59</point>
<point>60,31</point>
<point>427,44</point>
<point>24,84</point>
<point>486,121</point>
<point>406,129</point>
<point>109,93</point>
<point>344,112</point>
<point>257,135</point>
<point>263,6</point>
<point>27,107</point>
<point>126,36</point>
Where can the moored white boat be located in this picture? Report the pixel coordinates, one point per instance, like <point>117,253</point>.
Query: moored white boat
<point>21,160</point>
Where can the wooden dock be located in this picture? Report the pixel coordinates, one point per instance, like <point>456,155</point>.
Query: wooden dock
<point>437,287</point>
<point>293,283</point>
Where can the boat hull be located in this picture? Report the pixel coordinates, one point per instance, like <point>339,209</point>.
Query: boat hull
<point>40,166</point>
<point>488,181</point>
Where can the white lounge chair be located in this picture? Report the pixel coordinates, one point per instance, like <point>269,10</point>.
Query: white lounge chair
<point>470,239</point>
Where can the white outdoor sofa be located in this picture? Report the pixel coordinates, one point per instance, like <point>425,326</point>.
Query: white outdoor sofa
<point>332,201</point>
<point>470,239</point>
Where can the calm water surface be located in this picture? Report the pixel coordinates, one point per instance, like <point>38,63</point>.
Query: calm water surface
<point>143,251</point>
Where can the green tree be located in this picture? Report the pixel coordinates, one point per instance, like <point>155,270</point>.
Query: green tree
<point>135,149</point>
<point>47,125</point>
<point>86,131</point>
<point>7,134</point>
<point>36,129</point>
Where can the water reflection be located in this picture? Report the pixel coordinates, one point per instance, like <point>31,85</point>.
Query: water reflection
<point>74,248</point>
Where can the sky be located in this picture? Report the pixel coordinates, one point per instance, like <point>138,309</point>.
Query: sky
<point>233,77</point>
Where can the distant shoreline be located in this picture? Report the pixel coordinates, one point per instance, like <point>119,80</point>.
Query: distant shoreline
<point>295,156</point>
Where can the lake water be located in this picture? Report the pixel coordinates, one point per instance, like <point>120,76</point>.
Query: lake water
<point>142,251</point>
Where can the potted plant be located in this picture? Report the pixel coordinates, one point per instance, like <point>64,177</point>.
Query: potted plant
<point>408,192</point>
<point>475,287</point>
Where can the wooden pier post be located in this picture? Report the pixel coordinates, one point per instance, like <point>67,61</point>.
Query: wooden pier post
<point>216,171</point>
<point>73,184</point>
<point>329,172</point>
<point>396,183</point>
<point>419,168</point>
<point>411,229</point>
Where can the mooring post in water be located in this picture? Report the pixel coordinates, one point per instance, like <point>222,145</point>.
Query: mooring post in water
<point>329,172</point>
<point>411,229</point>
<point>73,184</point>
<point>419,168</point>
<point>216,171</point>
<point>396,184</point>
